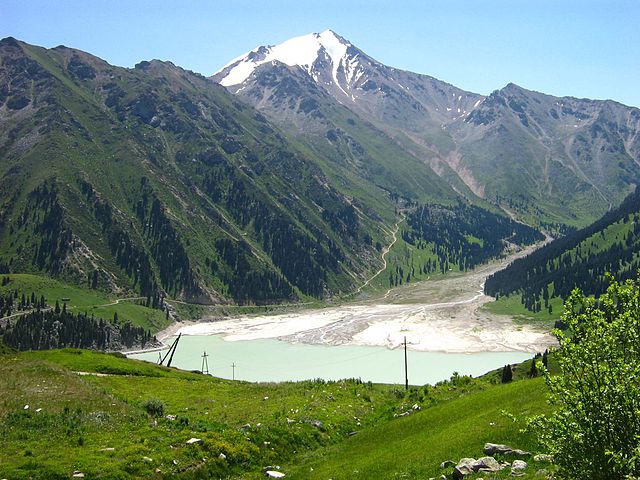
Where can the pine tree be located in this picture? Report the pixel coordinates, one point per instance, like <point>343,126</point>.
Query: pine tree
<point>533,372</point>
<point>507,374</point>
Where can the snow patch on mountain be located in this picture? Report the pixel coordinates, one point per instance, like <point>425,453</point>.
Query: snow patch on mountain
<point>301,51</point>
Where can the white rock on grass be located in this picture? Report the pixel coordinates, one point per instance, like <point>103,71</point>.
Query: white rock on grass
<point>518,465</point>
<point>543,457</point>
<point>274,474</point>
<point>193,440</point>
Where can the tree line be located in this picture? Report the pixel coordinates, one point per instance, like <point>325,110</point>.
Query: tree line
<point>58,328</point>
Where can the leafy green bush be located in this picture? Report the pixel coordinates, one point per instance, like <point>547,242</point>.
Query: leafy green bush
<point>154,407</point>
<point>594,432</point>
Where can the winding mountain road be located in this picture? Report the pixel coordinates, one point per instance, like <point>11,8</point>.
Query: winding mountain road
<point>385,252</point>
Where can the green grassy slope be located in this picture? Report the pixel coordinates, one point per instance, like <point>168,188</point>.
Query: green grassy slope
<point>414,447</point>
<point>97,424</point>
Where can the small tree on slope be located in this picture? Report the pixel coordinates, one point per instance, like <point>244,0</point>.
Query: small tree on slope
<point>594,432</point>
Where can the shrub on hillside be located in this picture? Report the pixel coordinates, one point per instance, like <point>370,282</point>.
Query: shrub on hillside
<point>154,407</point>
<point>594,433</point>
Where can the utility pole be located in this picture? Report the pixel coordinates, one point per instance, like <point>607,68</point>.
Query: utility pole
<point>205,363</point>
<point>170,350</point>
<point>175,347</point>
<point>233,366</point>
<point>406,374</point>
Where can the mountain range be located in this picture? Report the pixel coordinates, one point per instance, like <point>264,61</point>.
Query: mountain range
<point>282,176</point>
<point>547,160</point>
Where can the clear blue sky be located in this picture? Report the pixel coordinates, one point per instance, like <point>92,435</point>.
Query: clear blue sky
<point>581,48</point>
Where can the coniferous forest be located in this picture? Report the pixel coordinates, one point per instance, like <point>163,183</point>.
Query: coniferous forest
<point>579,260</point>
<point>464,235</point>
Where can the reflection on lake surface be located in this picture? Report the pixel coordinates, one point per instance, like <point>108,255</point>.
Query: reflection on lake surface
<point>268,360</point>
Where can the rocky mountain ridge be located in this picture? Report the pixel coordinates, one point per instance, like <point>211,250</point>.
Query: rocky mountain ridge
<point>547,160</point>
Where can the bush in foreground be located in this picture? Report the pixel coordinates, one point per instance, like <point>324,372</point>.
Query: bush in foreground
<point>594,432</point>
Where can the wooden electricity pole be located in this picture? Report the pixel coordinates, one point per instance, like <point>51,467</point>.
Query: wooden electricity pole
<point>170,351</point>
<point>175,347</point>
<point>406,372</point>
<point>233,366</point>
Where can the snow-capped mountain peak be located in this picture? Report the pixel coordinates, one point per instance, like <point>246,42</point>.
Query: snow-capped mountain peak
<point>305,52</point>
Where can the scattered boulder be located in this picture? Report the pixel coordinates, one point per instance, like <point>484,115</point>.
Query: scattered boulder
<point>315,423</point>
<point>147,459</point>
<point>77,474</point>
<point>193,440</point>
<point>271,471</point>
<point>518,465</point>
<point>108,449</point>
<point>246,426</point>
<point>543,457</point>
<point>487,464</point>
<point>447,464</point>
<point>464,468</point>
<point>222,456</point>
<point>496,448</point>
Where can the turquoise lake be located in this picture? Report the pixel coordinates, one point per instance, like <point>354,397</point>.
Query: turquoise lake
<point>268,360</point>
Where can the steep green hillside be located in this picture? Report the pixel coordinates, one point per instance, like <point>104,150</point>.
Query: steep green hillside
<point>580,260</point>
<point>156,182</point>
<point>436,239</point>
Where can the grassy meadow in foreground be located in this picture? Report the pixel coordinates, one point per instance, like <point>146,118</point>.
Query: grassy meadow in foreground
<point>95,422</point>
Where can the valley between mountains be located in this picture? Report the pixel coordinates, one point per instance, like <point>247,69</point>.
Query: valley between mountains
<point>443,315</point>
